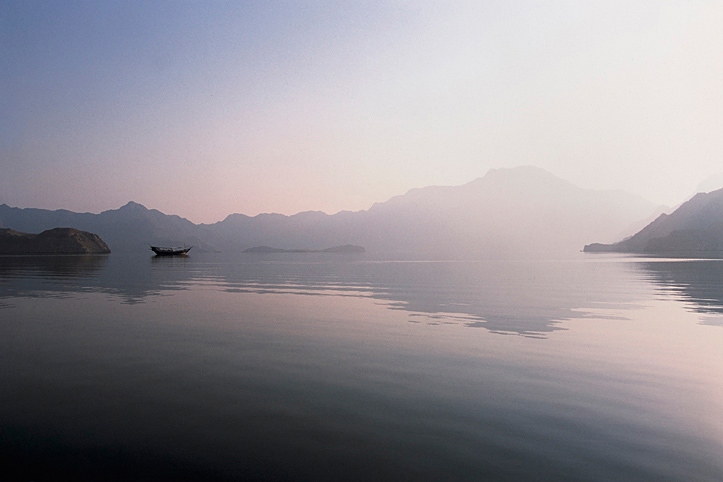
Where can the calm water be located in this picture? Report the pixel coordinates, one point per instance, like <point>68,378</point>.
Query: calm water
<point>332,367</point>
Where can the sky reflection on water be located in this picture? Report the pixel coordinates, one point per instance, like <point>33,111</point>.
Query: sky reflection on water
<point>527,298</point>
<point>310,367</point>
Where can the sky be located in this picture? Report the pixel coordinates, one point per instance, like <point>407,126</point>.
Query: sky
<point>208,108</point>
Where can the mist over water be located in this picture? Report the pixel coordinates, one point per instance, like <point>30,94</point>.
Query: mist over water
<point>318,367</point>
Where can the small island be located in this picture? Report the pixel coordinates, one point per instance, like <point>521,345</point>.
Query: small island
<point>347,248</point>
<point>52,241</point>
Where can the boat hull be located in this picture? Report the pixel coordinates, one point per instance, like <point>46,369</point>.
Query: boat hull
<point>161,251</point>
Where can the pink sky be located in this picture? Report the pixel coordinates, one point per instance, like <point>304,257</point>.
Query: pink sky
<point>205,109</point>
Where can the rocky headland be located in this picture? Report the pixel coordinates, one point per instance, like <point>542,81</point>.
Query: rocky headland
<point>52,241</point>
<point>694,229</point>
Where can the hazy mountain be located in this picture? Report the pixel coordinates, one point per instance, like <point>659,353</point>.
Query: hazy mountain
<point>307,230</point>
<point>129,228</point>
<point>514,212</point>
<point>508,211</point>
<point>519,210</point>
<point>695,227</point>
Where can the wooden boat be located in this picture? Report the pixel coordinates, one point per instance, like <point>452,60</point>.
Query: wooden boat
<point>161,251</point>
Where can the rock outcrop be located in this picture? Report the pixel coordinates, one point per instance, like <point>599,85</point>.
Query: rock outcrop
<point>52,241</point>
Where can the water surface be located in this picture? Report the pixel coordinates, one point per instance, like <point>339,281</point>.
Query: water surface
<point>331,367</point>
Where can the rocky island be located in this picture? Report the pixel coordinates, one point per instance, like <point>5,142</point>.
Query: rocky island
<point>52,241</point>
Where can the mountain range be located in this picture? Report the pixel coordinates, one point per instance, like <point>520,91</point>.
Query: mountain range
<point>517,211</point>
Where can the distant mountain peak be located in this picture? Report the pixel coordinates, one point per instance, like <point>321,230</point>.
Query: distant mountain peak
<point>134,205</point>
<point>235,217</point>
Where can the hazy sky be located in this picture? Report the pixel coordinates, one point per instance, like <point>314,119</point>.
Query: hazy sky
<point>207,108</point>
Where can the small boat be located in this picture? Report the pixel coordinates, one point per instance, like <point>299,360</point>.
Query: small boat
<point>161,251</point>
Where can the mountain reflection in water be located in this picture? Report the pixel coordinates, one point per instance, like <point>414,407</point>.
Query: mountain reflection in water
<point>318,367</point>
<point>698,283</point>
<point>527,298</point>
